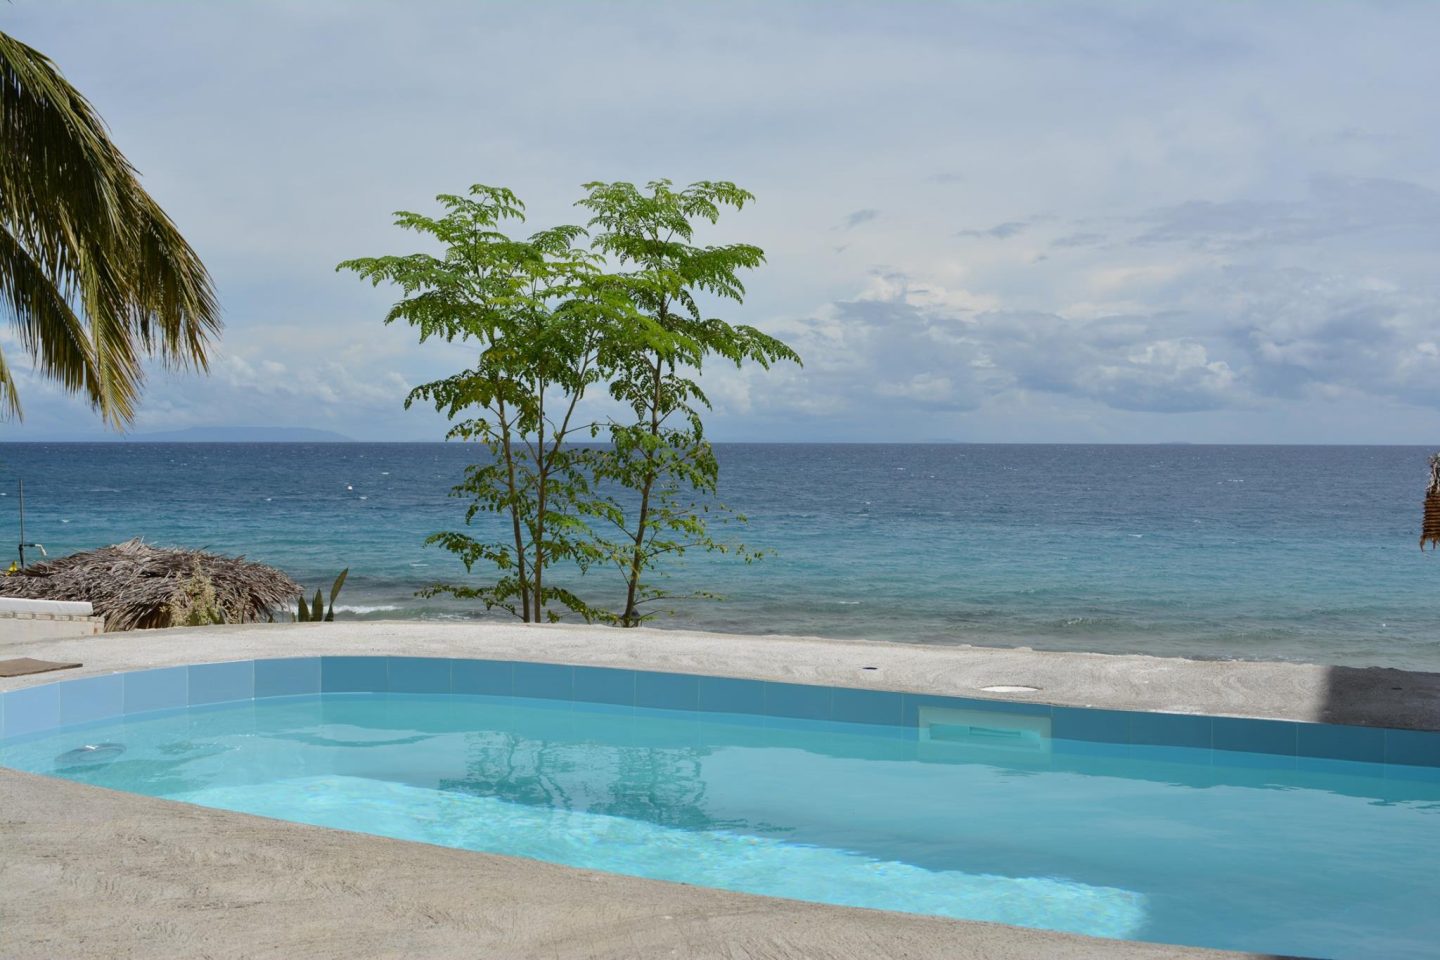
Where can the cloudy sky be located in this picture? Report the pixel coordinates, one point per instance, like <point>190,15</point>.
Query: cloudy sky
<point>984,221</point>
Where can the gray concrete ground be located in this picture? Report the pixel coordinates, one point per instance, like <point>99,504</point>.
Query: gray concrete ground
<point>90,873</point>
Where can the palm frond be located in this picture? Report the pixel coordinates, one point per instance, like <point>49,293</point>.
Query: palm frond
<point>76,216</point>
<point>135,585</point>
<point>49,329</point>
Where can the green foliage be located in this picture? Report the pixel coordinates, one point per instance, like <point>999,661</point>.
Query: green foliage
<point>93,274</point>
<point>553,321</point>
<point>315,611</point>
<point>661,453</point>
<point>196,604</point>
<point>546,324</point>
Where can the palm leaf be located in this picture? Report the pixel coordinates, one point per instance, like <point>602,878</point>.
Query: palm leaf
<point>75,218</point>
<point>49,328</point>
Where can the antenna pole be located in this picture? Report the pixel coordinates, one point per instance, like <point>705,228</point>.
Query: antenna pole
<point>22,524</point>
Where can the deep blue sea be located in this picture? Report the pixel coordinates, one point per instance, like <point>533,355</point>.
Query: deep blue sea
<point>1303,553</point>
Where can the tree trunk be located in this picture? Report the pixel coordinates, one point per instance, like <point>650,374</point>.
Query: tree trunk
<point>524,576</point>
<point>540,510</point>
<point>631,617</point>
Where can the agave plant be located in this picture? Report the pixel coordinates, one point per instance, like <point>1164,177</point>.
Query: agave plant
<point>316,611</point>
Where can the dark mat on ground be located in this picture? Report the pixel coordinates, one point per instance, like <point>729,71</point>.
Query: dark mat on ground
<point>23,666</point>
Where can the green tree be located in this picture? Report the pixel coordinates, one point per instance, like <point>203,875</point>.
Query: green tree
<point>660,453</point>
<point>546,324</point>
<point>94,275</point>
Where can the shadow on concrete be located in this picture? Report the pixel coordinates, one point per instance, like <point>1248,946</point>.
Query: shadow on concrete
<point>1381,697</point>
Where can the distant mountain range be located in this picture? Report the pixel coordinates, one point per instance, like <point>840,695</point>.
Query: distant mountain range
<point>239,435</point>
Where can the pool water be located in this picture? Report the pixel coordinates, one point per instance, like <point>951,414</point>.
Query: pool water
<point>1265,853</point>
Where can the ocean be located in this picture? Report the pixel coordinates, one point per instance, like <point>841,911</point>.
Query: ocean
<point>1260,552</point>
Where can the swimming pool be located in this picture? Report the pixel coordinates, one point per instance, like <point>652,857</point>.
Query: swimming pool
<point>1301,839</point>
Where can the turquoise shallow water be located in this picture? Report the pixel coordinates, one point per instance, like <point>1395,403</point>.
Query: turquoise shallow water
<point>1305,553</point>
<point>1244,851</point>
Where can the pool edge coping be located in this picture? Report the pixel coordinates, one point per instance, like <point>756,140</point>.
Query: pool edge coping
<point>1258,690</point>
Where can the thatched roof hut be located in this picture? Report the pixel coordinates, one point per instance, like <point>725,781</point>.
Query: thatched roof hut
<point>134,585</point>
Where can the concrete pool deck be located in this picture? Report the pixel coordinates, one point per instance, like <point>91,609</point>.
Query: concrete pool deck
<point>87,873</point>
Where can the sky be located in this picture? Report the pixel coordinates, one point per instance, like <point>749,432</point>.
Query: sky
<point>984,221</point>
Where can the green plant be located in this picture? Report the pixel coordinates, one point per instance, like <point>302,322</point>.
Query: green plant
<point>554,324</point>
<point>196,604</point>
<point>659,453</point>
<point>545,326</point>
<point>316,612</point>
<point>93,275</point>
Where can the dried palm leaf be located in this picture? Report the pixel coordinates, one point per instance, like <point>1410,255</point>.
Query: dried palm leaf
<point>1430,530</point>
<point>134,585</point>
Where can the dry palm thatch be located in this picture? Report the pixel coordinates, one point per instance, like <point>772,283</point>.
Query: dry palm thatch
<point>1430,530</point>
<point>134,585</point>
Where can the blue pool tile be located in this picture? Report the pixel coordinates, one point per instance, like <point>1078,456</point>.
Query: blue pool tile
<point>1090,726</point>
<point>910,704</point>
<point>601,685</point>
<point>1188,763</point>
<point>668,691</point>
<point>287,678</point>
<point>1405,771</point>
<point>163,689</point>
<point>1335,742</point>
<point>1416,748</point>
<point>604,710</point>
<point>797,700</point>
<point>1255,736</point>
<point>1273,763</point>
<point>865,706</point>
<point>729,695</point>
<point>544,681</point>
<point>1307,769</point>
<point>354,674</point>
<point>490,677</point>
<point>222,682</point>
<point>93,698</point>
<point>419,675</point>
<point>1069,747</point>
<point>32,710</point>
<point>1170,730</point>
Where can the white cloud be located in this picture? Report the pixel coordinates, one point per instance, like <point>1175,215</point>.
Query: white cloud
<point>1167,213</point>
